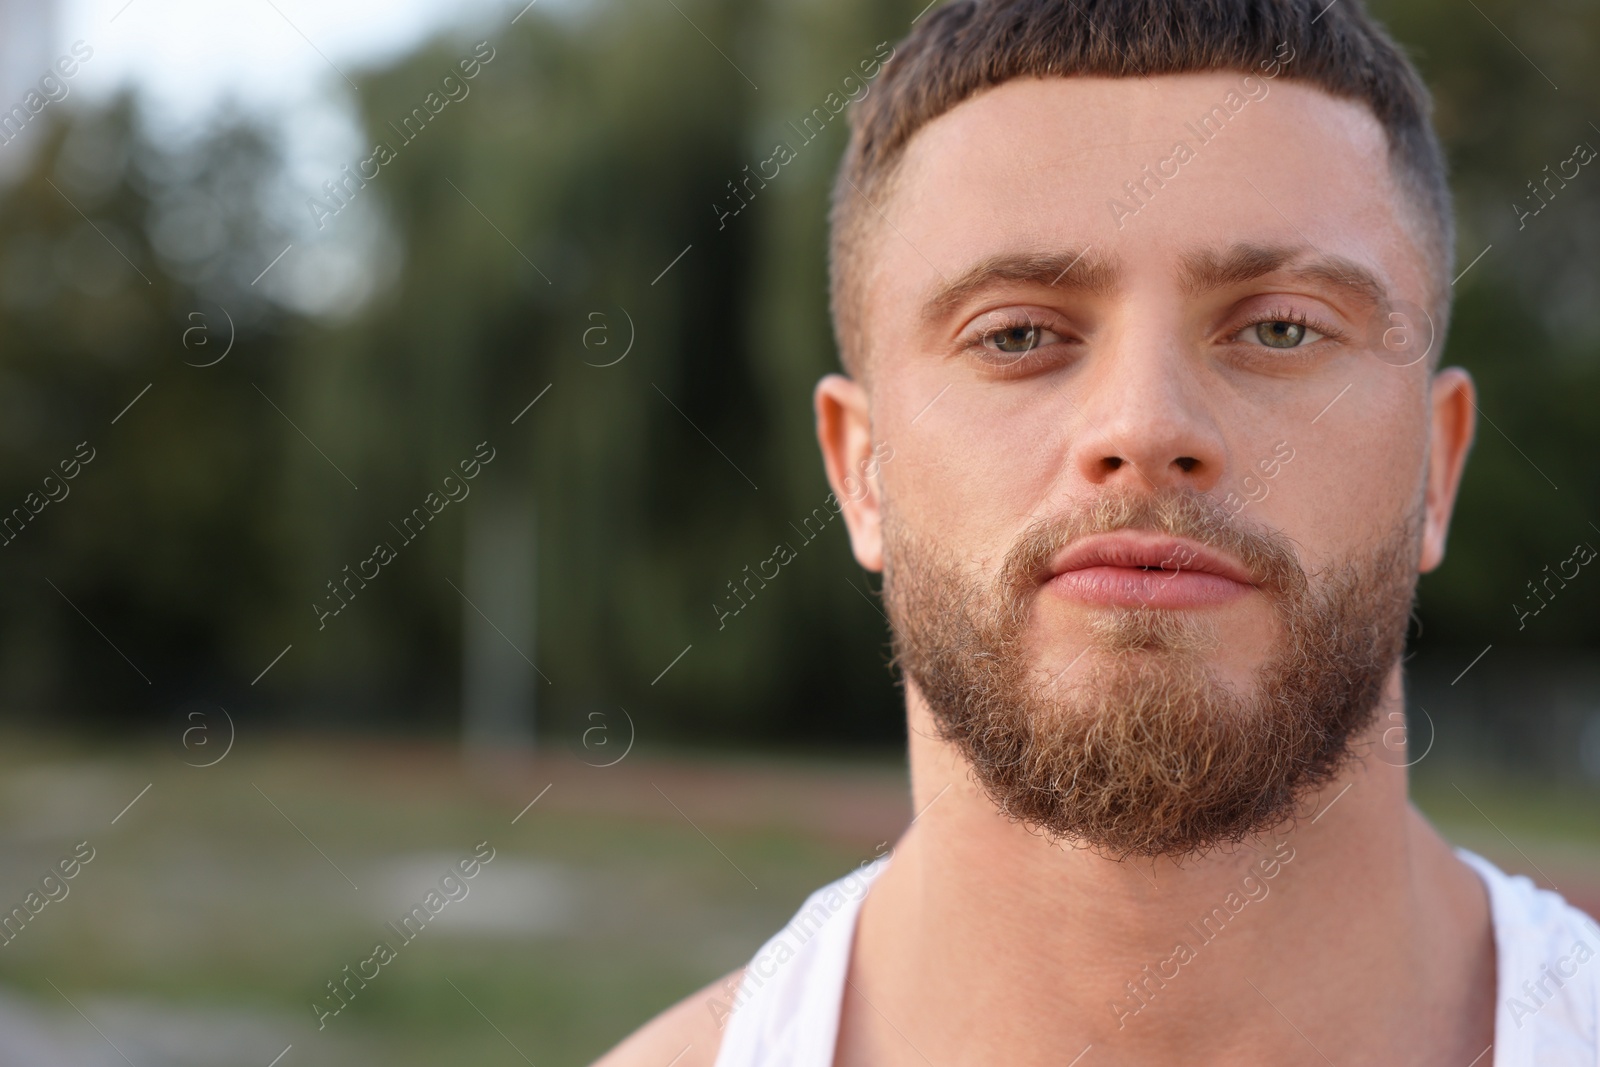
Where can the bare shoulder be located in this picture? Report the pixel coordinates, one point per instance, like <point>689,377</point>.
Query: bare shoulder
<point>688,1034</point>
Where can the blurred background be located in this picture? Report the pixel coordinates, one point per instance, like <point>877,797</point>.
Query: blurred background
<point>360,504</point>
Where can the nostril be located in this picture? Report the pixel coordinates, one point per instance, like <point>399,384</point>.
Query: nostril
<point>1187,464</point>
<point>1113,462</point>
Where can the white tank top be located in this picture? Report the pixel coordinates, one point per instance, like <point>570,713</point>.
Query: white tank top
<point>1547,1010</point>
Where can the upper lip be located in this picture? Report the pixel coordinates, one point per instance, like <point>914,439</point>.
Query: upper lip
<point>1139,548</point>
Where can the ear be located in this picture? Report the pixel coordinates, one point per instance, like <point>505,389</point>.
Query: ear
<point>1454,416</point>
<point>844,430</point>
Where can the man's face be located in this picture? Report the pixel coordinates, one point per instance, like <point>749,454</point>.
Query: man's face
<point>1199,383</point>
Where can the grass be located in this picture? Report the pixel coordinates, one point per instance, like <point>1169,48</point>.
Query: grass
<point>610,904</point>
<point>207,924</point>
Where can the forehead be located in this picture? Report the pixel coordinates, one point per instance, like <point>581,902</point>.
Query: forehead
<point>1146,171</point>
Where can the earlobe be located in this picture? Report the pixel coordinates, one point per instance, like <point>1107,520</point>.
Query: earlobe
<point>1453,419</point>
<point>844,432</point>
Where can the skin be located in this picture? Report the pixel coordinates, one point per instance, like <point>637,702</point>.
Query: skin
<point>983,942</point>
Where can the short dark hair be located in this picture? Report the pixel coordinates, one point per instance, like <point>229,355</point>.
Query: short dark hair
<point>968,46</point>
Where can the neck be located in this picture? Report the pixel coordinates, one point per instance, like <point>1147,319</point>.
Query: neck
<point>993,944</point>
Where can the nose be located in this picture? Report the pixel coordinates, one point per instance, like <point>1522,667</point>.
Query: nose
<point>1146,422</point>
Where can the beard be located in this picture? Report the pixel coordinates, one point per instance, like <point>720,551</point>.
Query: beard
<point>1149,752</point>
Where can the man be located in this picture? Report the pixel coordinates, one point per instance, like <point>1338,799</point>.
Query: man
<point>1142,302</point>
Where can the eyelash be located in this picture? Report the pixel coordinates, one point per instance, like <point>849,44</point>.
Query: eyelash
<point>1299,318</point>
<point>973,341</point>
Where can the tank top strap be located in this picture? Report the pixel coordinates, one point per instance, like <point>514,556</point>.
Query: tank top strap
<point>786,1010</point>
<point>1547,1010</point>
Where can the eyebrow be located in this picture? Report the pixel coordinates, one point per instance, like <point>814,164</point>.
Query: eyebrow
<point>1206,270</point>
<point>1072,270</point>
<point>1199,272</point>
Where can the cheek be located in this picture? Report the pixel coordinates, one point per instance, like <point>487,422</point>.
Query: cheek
<point>975,467</point>
<point>1360,473</point>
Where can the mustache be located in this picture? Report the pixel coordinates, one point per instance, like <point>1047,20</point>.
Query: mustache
<point>1268,555</point>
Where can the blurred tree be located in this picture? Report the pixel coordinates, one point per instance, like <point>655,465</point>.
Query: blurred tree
<point>111,248</point>
<point>565,218</point>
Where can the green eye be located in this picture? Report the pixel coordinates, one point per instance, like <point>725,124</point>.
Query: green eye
<point>1015,340</point>
<point>1280,333</point>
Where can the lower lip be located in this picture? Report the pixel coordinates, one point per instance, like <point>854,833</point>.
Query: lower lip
<point>1132,587</point>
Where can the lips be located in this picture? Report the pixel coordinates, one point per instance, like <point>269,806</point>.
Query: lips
<point>1132,568</point>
